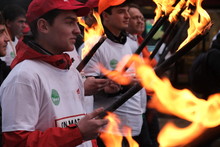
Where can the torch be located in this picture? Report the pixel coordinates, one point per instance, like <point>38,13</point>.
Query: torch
<point>172,16</point>
<point>93,32</point>
<point>158,70</point>
<point>195,37</point>
<point>86,59</point>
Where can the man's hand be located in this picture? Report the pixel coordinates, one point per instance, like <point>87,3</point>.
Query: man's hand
<point>92,85</point>
<point>89,126</point>
<point>112,88</point>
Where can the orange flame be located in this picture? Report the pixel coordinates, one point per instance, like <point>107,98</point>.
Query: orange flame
<point>174,14</point>
<point>182,103</point>
<point>122,78</point>
<point>111,135</point>
<point>170,134</point>
<point>91,34</point>
<point>163,7</point>
<point>199,22</point>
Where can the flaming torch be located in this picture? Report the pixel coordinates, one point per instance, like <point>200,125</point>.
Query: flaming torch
<point>91,38</point>
<point>182,103</point>
<point>201,32</point>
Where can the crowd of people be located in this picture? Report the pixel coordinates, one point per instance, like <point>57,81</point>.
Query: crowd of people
<point>45,101</point>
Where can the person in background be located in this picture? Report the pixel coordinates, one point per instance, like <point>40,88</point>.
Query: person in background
<point>115,19</point>
<point>42,97</point>
<point>15,19</point>
<point>204,73</point>
<point>4,69</point>
<point>91,84</point>
<point>205,81</point>
<point>4,38</point>
<point>135,30</point>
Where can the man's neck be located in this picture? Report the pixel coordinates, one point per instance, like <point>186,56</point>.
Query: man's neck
<point>121,38</point>
<point>114,31</point>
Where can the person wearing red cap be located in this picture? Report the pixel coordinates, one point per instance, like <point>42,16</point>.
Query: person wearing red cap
<point>115,20</point>
<point>42,97</point>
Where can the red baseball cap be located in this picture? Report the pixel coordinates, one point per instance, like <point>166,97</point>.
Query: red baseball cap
<point>92,3</point>
<point>38,8</point>
<point>104,4</point>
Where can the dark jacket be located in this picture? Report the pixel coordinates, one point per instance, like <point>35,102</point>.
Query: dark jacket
<point>4,71</point>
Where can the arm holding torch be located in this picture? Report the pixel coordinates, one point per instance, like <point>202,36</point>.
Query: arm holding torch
<point>158,70</point>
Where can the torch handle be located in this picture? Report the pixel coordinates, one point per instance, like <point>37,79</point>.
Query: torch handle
<point>158,70</point>
<point>185,49</point>
<point>85,60</point>
<point>149,36</point>
<point>162,40</point>
<point>126,96</point>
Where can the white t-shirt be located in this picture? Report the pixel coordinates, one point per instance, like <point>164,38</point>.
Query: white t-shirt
<point>10,52</point>
<point>88,100</point>
<point>130,113</point>
<point>40,96</point>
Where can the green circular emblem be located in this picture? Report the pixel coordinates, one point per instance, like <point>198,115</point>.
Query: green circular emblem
<point>113,63</point>
<point>55,97</point>
<point>12,54</point>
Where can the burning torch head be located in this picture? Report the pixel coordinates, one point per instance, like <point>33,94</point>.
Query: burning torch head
<point>105,4</point>
<point>38,8</point>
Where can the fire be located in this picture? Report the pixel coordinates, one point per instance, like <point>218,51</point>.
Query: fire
<point>111,135</point>
<point>198,22</point>
<point>122,78</point>
<point>170,134</point>
<point>91,34</point>
<point>182,103</point>
<point>164,7</point>
<point>174,14</point>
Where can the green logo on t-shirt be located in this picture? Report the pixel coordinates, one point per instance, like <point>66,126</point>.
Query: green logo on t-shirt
<point>12,54</point>
<point>55,97</point>
<point>113,63</point>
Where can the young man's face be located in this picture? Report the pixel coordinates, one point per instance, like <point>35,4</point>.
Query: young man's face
<point>118,19</point>
<point>136,22</point>
<point>16,27</point>
<point>3,40</point>
<point>63,32</point>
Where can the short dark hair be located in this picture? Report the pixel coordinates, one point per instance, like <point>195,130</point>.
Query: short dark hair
<point>49,17</point>
<point>109,9</point>
<point>11,12</point>
<point>132,5</point>
<point>2,20</point>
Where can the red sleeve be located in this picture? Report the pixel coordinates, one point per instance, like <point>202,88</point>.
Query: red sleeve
<point>65,137</point>
<point>94,143</point>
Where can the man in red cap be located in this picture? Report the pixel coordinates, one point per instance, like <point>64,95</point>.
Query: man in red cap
<point>115,19</point>
<point>42,97</point>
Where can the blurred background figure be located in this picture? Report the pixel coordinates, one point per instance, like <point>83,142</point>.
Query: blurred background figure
<point>15,21</point>
<point>4,38</point>
<point>136,27</point>
<point>4,69</point>
<point>204,74</point>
